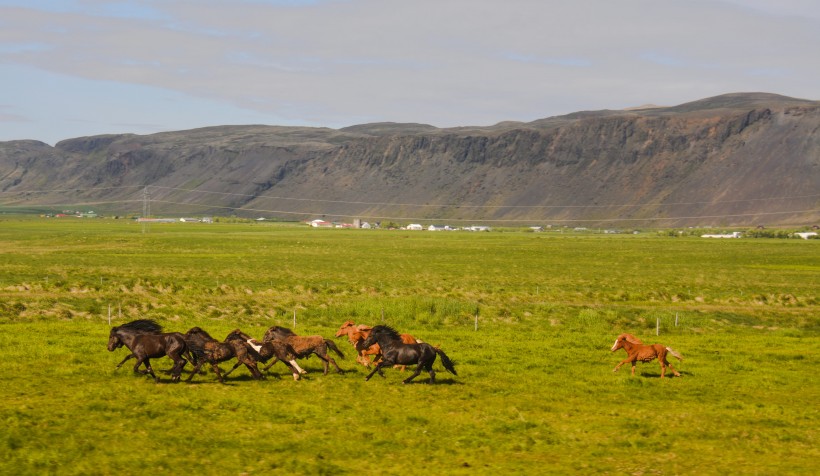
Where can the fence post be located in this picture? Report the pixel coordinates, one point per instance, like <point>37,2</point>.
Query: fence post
<point>294,318</point>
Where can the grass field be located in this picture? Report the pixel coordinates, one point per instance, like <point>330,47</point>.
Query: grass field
<point>535,392</point>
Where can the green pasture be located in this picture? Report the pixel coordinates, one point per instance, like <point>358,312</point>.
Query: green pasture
<point>535,391</point>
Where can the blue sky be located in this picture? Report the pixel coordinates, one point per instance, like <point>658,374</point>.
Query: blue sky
<point>85,67</point>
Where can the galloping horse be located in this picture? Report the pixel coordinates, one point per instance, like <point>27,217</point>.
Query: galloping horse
<point>140,326</point>
<point>264,351</point>
<point>357,335</point>
<point>303,346</point>
<point>209,350</point>
<point>148,346</point>
<point>644,353</point>
<point>394,352</point>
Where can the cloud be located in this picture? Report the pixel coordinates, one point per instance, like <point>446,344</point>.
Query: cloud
<point>460,62</point>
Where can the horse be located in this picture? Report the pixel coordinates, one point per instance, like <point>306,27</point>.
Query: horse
<point>356,335</point>
<point>264,351</point>
<point>395,351</point>
<point>304,346</point>
<point>207,349</point>
<point>144,347</point>
<point>644,353</point>
<point>140,326</point>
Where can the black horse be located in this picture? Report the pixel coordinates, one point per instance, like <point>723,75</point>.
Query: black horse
<point>264,351</point>
<point>396,352</point>
<point>145,346</point>
<point>206,349</point>
<point>139,326</point>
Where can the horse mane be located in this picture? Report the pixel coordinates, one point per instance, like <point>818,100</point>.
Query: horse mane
<point>142,326</point>
<point>201,331</point>
<point>385,330</point>
<point>237,334</point>
<point>283,330</point>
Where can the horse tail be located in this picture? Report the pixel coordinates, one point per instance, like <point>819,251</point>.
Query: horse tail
<point>332,346</point>
<point>674,353</point>
<point>448,364</point>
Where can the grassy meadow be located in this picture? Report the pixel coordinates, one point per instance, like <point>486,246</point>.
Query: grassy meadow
<point>535,393</point>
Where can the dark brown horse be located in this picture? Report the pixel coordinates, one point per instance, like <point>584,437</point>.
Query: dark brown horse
<point>304,346</point>
<point>644,353</point>
<point>264,351</point>
<point>144,347</point>
<point>140,326</point>
<point>209,350</point>
<point>396,352</point>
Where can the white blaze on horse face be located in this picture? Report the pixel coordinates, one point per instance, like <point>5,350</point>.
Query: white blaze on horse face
<point>615,346</point>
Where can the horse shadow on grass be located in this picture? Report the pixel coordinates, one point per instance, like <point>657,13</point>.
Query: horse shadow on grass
<point>683,373</point>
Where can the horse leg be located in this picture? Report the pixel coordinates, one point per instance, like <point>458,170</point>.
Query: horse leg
<point>633,367</point>
<point>338,369</point>
<point>129,356</point>
<point>415,373</point>
<point>151,371</point>
<point>294,369</point>
<point>665,363</point>
<point>235,366</point>
<point>378,369</point>
<point>254,371</point>
<point>324,361</point>
<point>195,371</point>
<point>275,359</point>
<point>621,363</point>
<point>215,368</point>
<point>179,364</point>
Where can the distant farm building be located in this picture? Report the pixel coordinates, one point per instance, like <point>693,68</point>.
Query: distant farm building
<point>320,224</point>
<point>735,234</point>
<point>415,226</point>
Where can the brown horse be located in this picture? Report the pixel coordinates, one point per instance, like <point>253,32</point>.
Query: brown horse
<point>304,346</point>
<point>644,353</point>
<point>358,334</point>
<point>264,351</point>
<point>144,347</point>
<point>209,350</point>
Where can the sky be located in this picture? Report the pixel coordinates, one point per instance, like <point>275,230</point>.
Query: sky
<point>72,68</point>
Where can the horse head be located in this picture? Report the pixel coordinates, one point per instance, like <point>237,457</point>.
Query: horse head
<point>379,333</point>
<point>277,332</point>
<point>345,328</point>
<point>114,341</point>
<point>625,340</point>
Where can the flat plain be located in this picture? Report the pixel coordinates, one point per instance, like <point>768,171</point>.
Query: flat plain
<point>528,318</point>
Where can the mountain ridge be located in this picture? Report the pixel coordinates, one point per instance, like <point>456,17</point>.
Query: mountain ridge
<point>740,158</point>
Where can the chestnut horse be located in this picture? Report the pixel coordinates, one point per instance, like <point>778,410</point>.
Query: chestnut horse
<point>304,346</point>
<point>396,352</point>
<point>644,353</point>
<point>146,346</point>
<point>357,335</point>
<point>209,350</point>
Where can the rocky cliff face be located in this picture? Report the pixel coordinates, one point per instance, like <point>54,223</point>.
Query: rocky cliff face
<point>740,159</point>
